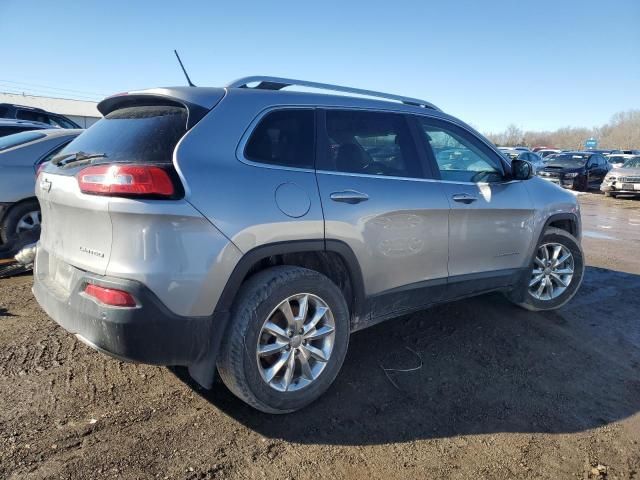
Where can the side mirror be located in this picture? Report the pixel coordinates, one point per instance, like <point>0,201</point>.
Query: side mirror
<point>521,169</point>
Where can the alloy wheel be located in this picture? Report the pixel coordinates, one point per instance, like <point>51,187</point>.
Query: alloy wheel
<point>295,342</point>
<point>552,271</point>
<point>28,221</point>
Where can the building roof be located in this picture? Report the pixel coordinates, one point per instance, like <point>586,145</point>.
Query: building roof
<point>63,106</point>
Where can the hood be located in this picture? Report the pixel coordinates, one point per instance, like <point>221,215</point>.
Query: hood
<point>563,167</point>
<point>627,171</point>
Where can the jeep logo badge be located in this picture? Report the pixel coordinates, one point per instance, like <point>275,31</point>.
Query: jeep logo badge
<point>45,184</point>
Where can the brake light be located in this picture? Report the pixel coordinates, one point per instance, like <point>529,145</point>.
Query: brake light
<point>39,168</point>
<point>125,180</point>
<point>110,296</point>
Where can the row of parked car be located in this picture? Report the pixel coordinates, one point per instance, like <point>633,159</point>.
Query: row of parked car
<point>615,172</point>
<point>29,137</point>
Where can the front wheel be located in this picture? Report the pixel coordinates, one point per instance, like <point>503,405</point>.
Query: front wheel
<point>287,340</point>
<point>556,273</point>
<point>581,184</point>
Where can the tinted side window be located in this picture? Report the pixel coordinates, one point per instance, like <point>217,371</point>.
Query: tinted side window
<point>284,137</point>
<point>371,143</point>
<point>4,111</point>
<point>459,157</point>
<point>61,122</point>
<point>32,116</point>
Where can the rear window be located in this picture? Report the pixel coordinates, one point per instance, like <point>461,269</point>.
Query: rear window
<point>19,138</point>
<point>143,134</point>
<point>32,116</point>
<point>616,159</point>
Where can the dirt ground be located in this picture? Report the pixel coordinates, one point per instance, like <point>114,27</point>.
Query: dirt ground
<point>502,393</point>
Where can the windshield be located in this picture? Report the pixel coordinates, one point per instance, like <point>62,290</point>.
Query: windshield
<point>143,134</point>
<point>19,138</point>
<point>616,159</point>
<point>633,163</point>
<point>568,158</point>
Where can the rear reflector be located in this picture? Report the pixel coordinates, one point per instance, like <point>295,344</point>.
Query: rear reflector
<point>125,180</point>
<point>110,296</point>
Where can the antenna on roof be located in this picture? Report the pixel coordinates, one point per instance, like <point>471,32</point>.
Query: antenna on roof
<point>183,69</point>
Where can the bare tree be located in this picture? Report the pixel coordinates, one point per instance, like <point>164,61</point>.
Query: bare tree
<point>622,131</point>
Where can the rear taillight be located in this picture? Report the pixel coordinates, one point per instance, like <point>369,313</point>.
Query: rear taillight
<point>39,168</point>
<point>136,180</point>
<point>110,296</point>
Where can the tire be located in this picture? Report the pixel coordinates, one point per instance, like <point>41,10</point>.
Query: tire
<point>258,300</point>
<point>581,184</point>
<point>522,295</point>
<point>9,227</point>
<point>609,194</point>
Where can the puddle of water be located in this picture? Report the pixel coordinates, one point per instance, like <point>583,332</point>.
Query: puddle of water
<point>600,235</point>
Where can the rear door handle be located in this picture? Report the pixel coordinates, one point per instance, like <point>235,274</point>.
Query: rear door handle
<point>463,198</point>
<point>349,196</point>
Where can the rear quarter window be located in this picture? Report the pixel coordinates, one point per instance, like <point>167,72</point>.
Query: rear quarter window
<point>141,134</point>
<point>284,137</point>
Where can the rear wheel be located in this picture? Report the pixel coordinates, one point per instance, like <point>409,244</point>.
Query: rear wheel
<point>556,273</point>
<point>287,339</point>
<point>21,219</point>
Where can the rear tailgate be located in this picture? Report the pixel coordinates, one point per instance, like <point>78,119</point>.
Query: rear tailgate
<point>76,228</point>
<point>138,131</point>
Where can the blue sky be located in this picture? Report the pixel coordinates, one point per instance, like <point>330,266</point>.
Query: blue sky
<point>540,65</point>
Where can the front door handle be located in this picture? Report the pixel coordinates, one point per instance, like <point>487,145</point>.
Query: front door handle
<point>463,198</point>
<point>349,196</point>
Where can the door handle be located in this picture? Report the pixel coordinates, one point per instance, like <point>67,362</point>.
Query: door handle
<point>464,198</point>
<point>349,196</point>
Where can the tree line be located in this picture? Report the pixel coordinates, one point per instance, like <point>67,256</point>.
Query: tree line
<point>622,131</point>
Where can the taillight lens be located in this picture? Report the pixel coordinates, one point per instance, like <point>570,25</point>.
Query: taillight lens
<point>39,168</point>
<point>110,296</point>
<point>125,180</point>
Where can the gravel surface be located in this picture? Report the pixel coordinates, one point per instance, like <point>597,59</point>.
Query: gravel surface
<point>502,393</point>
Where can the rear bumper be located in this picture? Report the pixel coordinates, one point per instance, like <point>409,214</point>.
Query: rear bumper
<point>147,333</point>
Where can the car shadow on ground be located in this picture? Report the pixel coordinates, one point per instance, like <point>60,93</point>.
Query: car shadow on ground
<point>487,366</point>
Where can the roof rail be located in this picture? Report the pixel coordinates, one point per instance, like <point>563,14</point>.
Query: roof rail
<point>277,83</point>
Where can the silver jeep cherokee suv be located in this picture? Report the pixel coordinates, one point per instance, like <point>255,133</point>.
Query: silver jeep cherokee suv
<point>251,230</point>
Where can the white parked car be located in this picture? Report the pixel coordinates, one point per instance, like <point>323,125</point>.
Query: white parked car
<point>616,160</point>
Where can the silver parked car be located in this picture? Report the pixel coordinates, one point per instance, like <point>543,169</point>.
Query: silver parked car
<point>20,155</point>
<point>624,180</point>
<point>251,229</point>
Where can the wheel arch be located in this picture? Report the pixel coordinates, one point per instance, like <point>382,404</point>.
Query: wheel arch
<point>332,258</point>
<point>569,222</point>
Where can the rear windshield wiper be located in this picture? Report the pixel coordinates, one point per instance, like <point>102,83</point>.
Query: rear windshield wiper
<point>69,158</point>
